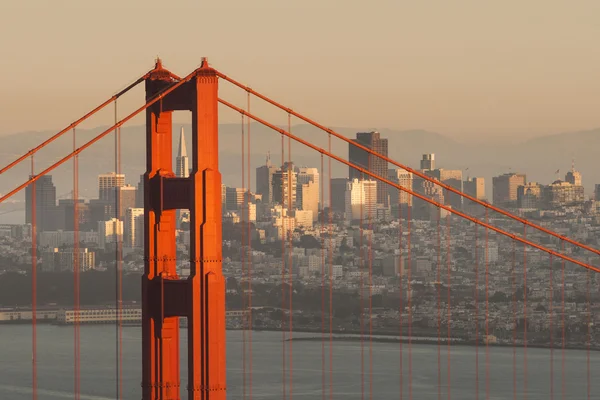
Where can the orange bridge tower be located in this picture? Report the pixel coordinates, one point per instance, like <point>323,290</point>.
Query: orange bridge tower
<point>201,296</point>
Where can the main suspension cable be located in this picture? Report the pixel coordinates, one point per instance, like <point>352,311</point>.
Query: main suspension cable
<point>66,158</point>
<point>414,194</point>
<point>73,125</point>
<point>405,167</point>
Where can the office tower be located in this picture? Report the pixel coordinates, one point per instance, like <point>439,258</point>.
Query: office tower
<point>372,163</point>
<point>139,194</point>
<point>452,178</point>
<point>560,194</point>
<point>182,163</point>
<point>529,196</point>
<point>403,178</point>
<point>127,198</point>
<point>597,192</point>
<point>107,183</point>
<point>504,189</point>
<point>109,232</point>
<point>361,200</point>
<point>308,198</point>
<point>475,187</point>
<point>45,204</point>
<point>234,198</point>
<point>65,212</point>
<point>264,180</point>
<point>428,162</point>
<point>223,196</point>
<point>284,186</point>
<point>338,190</point>
<point>182,170</point>
<point>308,190</point>
<point>134,227</point>
<point>573,176</point>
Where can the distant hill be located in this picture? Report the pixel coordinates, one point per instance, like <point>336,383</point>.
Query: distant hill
<point>539,158</point>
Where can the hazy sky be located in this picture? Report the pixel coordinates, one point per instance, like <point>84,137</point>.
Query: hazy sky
<point>467,69</point>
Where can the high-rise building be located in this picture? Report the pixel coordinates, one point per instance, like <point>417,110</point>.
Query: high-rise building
<point>134,228</point>
<point>182,163</point>
<point>139,194</point>
<point>597,192</point>
<point>45,204</point>
<point>285,186</point>
<point>559,193</point>
<point>453,178</point>
<point>338,190</point>
<point>264,180</point>
<point>361,200</point>
<point>107,184</point>
<point>307,192</point>
<point>428,162</point>
<point>504,189</point>
<point>573,176</point>
<point>182,170</point>
<point>372,163</point>
<point>234,198</point>
<point>529,196</point>
<point>403,178</point>
<point>475,187</point>
<point>109,232</point>
<point>127,198</point>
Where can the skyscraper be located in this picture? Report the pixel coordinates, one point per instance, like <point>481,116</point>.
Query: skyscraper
<point>284,187</point>
<point>107,183</point>
<point>361,200</point>
<point>504,189</point>
<point>182,163</point>
<point>45,204</point>
<point>307,193</point>
<point>428,162</point>
<point>374,164</point>
<point>264,180</point>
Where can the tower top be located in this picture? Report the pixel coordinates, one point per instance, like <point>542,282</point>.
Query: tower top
<point>160,73</point>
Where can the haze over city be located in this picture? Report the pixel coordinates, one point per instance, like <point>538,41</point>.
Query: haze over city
<point>496,71</point>
<point>299,200</point>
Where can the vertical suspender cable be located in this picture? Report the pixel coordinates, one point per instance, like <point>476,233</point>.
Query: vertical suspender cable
<point>330,278</point>
<point>525,314</point>
<point>449,277</point>
<point>562,312</point>
<point>401,266</point>
<point>361,289</point>
<point>322,227</point>
<point>284,224</point>
<point>550,315</point>
<point>242,261</point>
<point>291,291</point>
<point>76,266</point>
<point>476,297</point>
<point>33,284</point>
<point>487,310</point>
<point>249,259</point>
<point>439,304</point>
<point>589,334</point>
<point>118,266</point>
<point>514,301</point>
<point>370,261</point>
<point>409,290</point>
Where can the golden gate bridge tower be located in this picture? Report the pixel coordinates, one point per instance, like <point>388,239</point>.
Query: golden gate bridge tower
<point>201,296</point>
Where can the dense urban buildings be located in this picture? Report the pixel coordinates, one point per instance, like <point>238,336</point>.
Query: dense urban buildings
<point>376,165</point>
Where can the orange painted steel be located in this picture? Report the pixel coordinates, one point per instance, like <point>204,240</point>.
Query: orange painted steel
<point>73,125</point>
<point>412,193</point>
<point>66,158</point>
<point>200,297</point>
<point>405,167</point>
